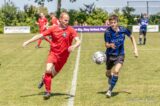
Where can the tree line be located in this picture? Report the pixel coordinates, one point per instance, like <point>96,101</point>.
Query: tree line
<point>10,15</point>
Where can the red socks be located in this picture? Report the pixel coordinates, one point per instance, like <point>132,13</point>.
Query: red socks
<point>48,81</point>
<point>39,42</point>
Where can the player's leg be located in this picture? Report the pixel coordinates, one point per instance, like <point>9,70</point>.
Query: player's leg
<point>49,74</point>
<point>109,66</point>
<point>114,79</point>
<point>144,35</point>
<point>39,43</point>
<point>109,75</point>
<point>40,85</point>
<point>118,64</point>
<point>140,37</point>
<point>39,40</point>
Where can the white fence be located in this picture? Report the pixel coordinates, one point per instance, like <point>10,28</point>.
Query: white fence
<point>26,29</point>
<point>150,28</point>
<point>16,29</point>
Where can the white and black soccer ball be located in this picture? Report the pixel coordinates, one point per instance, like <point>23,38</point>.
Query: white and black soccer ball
<point>99,57</point>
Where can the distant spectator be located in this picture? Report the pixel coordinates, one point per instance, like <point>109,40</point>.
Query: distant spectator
<point>85,24</point>
<point>76,23</point>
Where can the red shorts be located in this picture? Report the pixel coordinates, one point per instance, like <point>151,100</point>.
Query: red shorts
<point>57,60</point>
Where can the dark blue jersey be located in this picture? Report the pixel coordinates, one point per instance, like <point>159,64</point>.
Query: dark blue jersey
<point>117,38</point>
<point>143,24</point>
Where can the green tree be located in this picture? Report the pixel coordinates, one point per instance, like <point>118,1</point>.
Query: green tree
<point>97,17</point>
<point>9,11</point>
<point>59,2</point>
<point>127,12</point>
<point>73,16</point>
<point>122,19</point>
<point>1,21</point>
<point>31,17</point>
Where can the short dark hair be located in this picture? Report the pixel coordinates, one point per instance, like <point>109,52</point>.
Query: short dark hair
<point>113,17</point>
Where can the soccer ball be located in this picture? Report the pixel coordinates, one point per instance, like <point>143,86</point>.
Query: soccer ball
<point>99,57</point>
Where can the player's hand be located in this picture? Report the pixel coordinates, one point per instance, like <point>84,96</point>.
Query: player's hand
<point>112,45</point>
<point>25,44</point>
<point>71,48</point>
<point>136,53</point>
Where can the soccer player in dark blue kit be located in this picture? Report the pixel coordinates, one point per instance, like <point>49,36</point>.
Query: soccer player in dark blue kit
<point>143,22</point>
<point>114,37</point>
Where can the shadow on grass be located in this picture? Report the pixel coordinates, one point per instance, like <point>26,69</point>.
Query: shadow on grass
<point>52,94</point>
<point>115,93</point>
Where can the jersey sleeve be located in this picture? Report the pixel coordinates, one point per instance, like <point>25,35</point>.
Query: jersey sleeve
<point>128,32</point>
<point>47,32</point>
<point>74,33</point>
<point>107,36</point>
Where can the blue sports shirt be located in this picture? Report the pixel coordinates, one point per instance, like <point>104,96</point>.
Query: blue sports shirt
<point>117,38</point>
<point>143,24</point>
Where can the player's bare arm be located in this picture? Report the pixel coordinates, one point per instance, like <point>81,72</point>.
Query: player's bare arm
<point>76,45</point>
<point>36,37</point>
<point>134,45</point>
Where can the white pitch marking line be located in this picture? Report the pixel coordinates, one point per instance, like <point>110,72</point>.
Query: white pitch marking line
<point>74,80</point>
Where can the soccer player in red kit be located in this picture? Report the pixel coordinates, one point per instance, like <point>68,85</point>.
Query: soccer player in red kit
<point>42,23</point>
<point>54,20</point>
<point>62,36</point>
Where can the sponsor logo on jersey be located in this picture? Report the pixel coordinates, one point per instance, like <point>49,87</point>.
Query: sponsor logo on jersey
<point>64,34</point>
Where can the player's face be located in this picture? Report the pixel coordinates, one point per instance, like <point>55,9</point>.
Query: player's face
<point>145,16</point>
<point>113,23</point>
<point>64,21</point>
<point>41,15</point>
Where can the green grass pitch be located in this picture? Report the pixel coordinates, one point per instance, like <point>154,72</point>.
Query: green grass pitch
<point>21,70</point>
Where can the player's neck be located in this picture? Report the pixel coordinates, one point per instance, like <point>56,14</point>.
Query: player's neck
<point>62,26</point>
<point>116,29</point>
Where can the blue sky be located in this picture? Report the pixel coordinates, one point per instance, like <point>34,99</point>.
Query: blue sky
<point>109,5</point>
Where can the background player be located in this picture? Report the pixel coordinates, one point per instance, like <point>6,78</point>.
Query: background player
<point>143,22</point>
<point>114,41</point>
<point>42,23</point>
<point>54,20</point>
<point>62,37</point>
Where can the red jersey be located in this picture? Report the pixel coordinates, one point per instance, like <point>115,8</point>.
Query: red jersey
<point>61,38</point>
<point>42,23</point>
<point>54,21</point>
<point>61,41</point>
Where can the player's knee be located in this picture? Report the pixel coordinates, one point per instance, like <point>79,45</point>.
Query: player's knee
<point>49,71</point>
<point>140,36</point>
<point>49,68</point>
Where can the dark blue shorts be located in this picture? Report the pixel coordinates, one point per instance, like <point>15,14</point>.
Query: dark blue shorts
<point>143,32</point>
<point>113,60</point>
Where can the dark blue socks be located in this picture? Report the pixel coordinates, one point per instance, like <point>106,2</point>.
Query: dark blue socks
<point>113,82</point>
